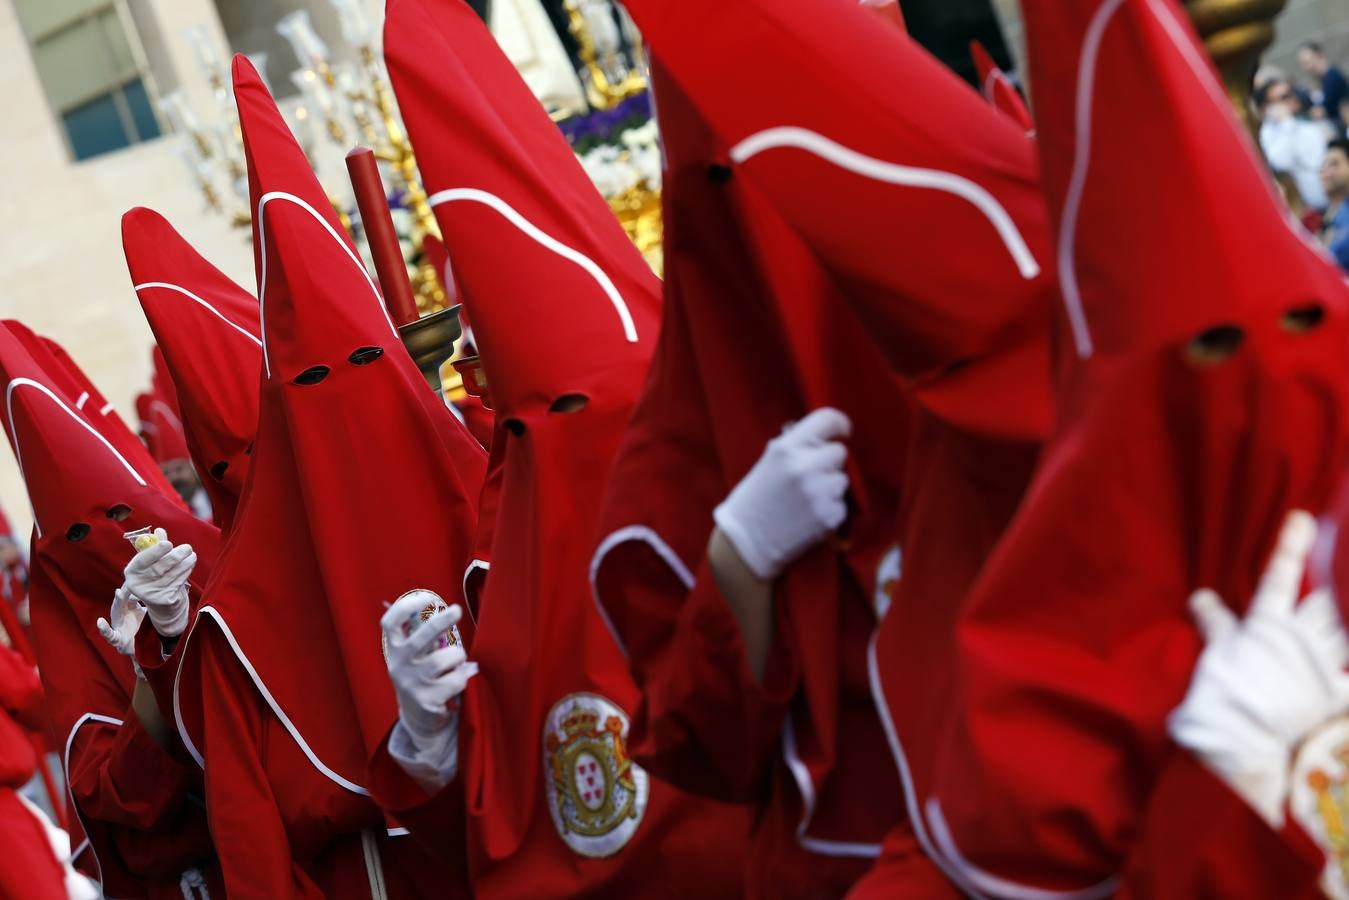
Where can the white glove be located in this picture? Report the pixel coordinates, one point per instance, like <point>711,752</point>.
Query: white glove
<point>427,680</point>
<point>792,497</point>
<point>124,620</point>
<point>157,576</point>
<point>1265,682</point>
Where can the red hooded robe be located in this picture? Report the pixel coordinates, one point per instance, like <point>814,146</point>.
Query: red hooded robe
<point>565,314</point>
<point>208,330</point>
<point>360,488</point>
<point>131,797</point>
<point>1202,396</point>
<point>832,132</point>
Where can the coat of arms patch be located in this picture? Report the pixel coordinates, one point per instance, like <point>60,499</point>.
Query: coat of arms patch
<point>596,794</point>
<point>1319,799</point>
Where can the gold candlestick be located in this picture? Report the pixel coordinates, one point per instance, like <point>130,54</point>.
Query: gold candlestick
<point>1236,32</point>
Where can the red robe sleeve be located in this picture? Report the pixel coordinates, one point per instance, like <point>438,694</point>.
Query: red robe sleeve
<point>703,723</point>
<point>251,838</point>
<point>120,777</point>
<point>1200,839</point>
<point>436,821</point>
<point>29,868</point>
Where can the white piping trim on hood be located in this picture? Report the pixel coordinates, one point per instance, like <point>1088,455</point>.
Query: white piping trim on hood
<point>18,454</point>
<point>146,285</point>
<point>533,231</point>
<point>262,269</point>
<point>892,173</point>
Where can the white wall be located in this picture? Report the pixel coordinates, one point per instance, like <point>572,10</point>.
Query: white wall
<point>61,265</point>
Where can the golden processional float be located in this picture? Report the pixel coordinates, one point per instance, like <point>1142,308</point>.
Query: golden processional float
<point>597,94</point>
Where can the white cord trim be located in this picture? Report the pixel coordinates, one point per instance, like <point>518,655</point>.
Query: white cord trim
<point>994,886</point>
<point>266,695</point>
<point>79,420</point>
<point>806,788</point>
<point>990,80</point>
<point>1077,180</point>
<point>168,413</point>
<point>70,741</point>
<point>374,868</point>
<point>903,176</point>
<point>648,536</point>
<point>166,285</point>
<point>262,272</point>
<point>938,844</point>
<point>533,231</point>
<point>472,567</point>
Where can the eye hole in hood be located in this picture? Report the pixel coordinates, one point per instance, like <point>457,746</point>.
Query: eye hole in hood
<point>1214,345</point>
<point>364,356</point>
<point>1302,319</point>
<point>312,375</point>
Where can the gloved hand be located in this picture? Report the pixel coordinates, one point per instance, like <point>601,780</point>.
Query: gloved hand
<point>157,576</point>
<point>1265,682</point>
<point>792,497</point>
<point>427,678</point>
<point>124,620</point>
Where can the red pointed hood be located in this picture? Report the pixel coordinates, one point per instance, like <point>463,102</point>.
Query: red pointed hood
<point>511,187</point>
<point>872,152</point>
<point>85,493</point>
<point>998,89</point>
<point>562,305</point>
<point>361,485</point>
<point>73,381</point>
<point>1206,398</point>
<point>1209,257</point>
<point>210,335</point>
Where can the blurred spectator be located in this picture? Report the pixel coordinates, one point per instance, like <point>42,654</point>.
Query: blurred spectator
<point>1330,80</point>
<point>1335,180</point>
<point>1292,145</point>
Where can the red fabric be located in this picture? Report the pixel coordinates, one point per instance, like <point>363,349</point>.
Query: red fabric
<point>978,370</point>
<point>360,488</point>
<point>478,419</point>
<point>439,257</point>
<point>1201,840</point>
<point>75,384</point>
<point>711,402</point>
<point>28,869</point>
<point>865,132</point>
<point>998,88</point>
<point>75,475</point>
<point>20,713</point>
<point>549,324</point>
<point>1164,475</point>
<point>888,10</point>
<point>209,333</point>
<point>281,830</point>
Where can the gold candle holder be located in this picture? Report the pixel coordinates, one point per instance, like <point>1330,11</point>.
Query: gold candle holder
<point>1235,33</point>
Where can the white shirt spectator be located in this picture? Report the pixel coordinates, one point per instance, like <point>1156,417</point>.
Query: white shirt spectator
<point>1298,147</point>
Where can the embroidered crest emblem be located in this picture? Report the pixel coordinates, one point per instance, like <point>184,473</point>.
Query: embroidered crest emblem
<point>596,794</point>
<point>888,572</point>
<point>449,639</point>
<point>1320,800</point>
